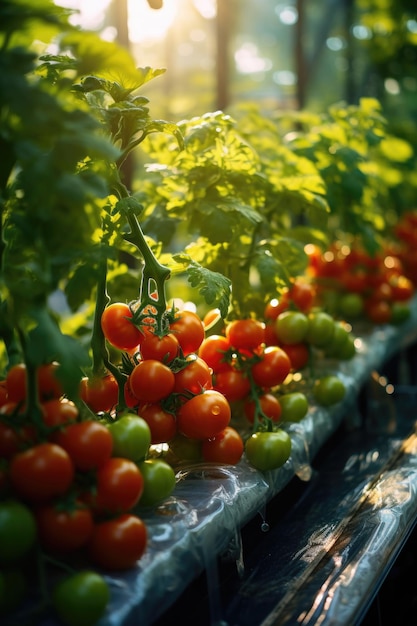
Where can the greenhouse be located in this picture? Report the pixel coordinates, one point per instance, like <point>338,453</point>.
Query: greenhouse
<point>208,312</point>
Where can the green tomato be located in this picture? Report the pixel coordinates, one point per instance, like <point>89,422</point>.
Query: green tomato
<point>12,589</point>
<point>341,345</point>
<point>320,329</point>
<point>329,390</point>
<point>81,599</point>
<point>131,437</point>
<point>186,449</point>
<point>350,305</point>
<point>159,481</point>
<point>400,312</point>
<point>268,450</point>
<point>17,530</point>
<point>294,406</point>
<point>291,327</point>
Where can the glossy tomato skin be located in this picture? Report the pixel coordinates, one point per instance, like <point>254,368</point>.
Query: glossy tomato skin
<point>100,394</point>
<point>159,481</point>
<point>131,437</point>
<point>204,415</point>
<point>118,543</point>
<point>246,334</point>
<point>232,383</point>
<point>226,447</point>
<point>41,472</point>
<point>329,390</point>
<point>17,530</point>
<point>81,599</point>
<point>272,369</point>
<point>194,377</point>
<point>320,329</point>
<point>118,327</point>
<point>268,404</point>
<point>62,531</point>
<point>214,350</point>
<point>294,406</point>
<point>119,486</point>
<point>164,348</point>
<point>299,354</point>
<point>268,450</point>
<point>162,424</point>
<point>151,381</point>
<point>88,443</point>
<point>291,326</point>
<point>189,329</point>
<point>59,412</point>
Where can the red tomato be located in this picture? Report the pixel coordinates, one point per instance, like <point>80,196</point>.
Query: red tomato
<point>245,334</point>
<point>58,412</point>
<point>277,306</point>
<point>269,406</point>
<point>162,424</point>
<point>272,369</point>
<point>118,328</point>
<point>271,337</point>
<point>63,530</point>
<point>88,443</point>
<point>100,394</point>
<point>117,544</point>
<point>225,447</point>
<point>302,295</point>
<point>163,348</point>
<point>151,381</point>
<point>233,384</point>
<point>194,377</point>
<point>41,472</point>
<point>16,383</point>
<point>214,350</point>
<point>189,330</point>
<point>49,385</point>
<point>119,486</point>
<point>299,355</point>
<point>204,415</point>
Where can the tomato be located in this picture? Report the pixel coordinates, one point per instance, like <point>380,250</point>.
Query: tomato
<point>119,486</point>
<point>214,350</point>
<point>151,381</point>
<point>12,440</point>
<point>131,437</point>
<point>320,329</point>
<point>246,334</point>
<point>88,443</point>
<point>302,294</point>
<point>164,348</point>
<point>189,330</point>
<point>268,450</point>
<point>226,447</point>
<point>299,355</point>
<point>272,369</point>
<point>100,394</point>
<point>117,544</point>
<point>329,390</point>
<point>16,383</point>
<point>162,424</point>
<point>271,337</point>
<point>232,383</point>
<point>268,404</point>
<point>61,530</point>
<point>49,385</point>
<point>402,289</point>
<point>378,311</point>
<point>294,406</point>
<point>41,472</point>
<point>159,481</point>
<point>118,327</point>
<point>204,416</point>
<point>341,345</point>
<point>400,312</point>
<point>276,306</point>
<point>17,530</point>
<point>185,449</point>
<point>194,377</point>
<point>291,326</point>
<point>58,412</point>
<point>81,599</point>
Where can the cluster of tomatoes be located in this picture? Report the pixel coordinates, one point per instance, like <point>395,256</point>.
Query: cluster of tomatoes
<point>355,284</point>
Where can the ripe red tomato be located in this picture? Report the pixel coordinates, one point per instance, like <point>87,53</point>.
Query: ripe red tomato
<point>16,383</point>
<point>214,350</point>
<point>88,443</point>
<point>42,472</point>
<point>151,381</point>
<point>118,328</point>
<point>272,369</point>
<point>57,412</point>
<point>162,424</point>
<point>163,348</point>
<point>232,383</point>
<point>302,294</point>
<point>299,355</point>
<point>119,486</point>
<point>188,328</point>
<point>268,404</point>
<point>194,377</point>
<point>225,447</point>
<point>246,334</point>
<point>118,543</point>
<point>276,306</point>
<point>100,394</point>
<point>204,416</point>
<point>49,385</point>
<point>61,530</point>
<point>14,438</point>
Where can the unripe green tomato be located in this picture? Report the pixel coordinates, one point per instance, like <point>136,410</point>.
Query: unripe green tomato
<point>17,530</point>
<point>350,305</point>
<point>159,481</point>
<point>291,327</point>
<point>329,390</point>
<point>131,437</point>
<point>268,450</point>
<point>81,599</point>
<point>341,345</point>
<point>294,406</point>
<point>320,329</point>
